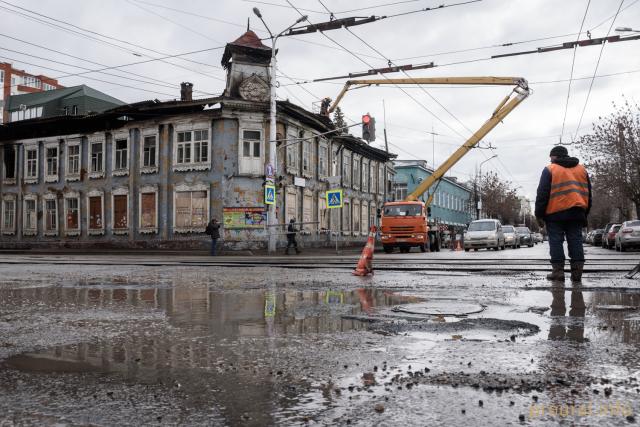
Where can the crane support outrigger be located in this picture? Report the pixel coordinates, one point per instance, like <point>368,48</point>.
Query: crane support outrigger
<point>405,224</point>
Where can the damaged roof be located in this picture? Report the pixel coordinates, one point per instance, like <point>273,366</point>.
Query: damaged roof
<point>248,44</point>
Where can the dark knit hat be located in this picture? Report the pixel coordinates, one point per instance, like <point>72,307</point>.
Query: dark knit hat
<point>559,151</point>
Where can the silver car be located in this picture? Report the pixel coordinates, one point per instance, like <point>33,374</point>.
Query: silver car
<point>510,236</point>
<point>484,233</point>
<point>628,235</point>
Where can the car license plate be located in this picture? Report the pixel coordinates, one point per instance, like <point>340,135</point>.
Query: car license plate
<point>401,240</point>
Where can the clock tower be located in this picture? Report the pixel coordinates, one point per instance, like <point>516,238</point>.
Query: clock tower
<point>247,63</point>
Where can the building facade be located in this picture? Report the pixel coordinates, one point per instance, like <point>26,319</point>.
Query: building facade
<point>17,82</point>
<point>152,174</point>
<point>452,204</point>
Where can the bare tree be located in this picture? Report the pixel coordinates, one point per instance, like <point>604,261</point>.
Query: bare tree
<point>612,156</point>
<point>499,200</point>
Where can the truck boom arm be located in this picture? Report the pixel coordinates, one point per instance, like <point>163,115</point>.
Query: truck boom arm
<point>511,101</point>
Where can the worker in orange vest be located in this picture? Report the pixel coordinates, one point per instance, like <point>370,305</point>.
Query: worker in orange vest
<point>562,205</point>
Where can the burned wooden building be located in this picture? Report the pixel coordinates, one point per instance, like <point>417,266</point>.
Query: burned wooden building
<point>152,174</point>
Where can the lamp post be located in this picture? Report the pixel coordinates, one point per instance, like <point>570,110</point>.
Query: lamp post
<point>479,207</point>
<point>273,160</point>
<point>626,30</point>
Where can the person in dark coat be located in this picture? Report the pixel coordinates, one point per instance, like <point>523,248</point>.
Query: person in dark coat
<point>291,236</point>
<point>563,202</point>
<point>213,230</point>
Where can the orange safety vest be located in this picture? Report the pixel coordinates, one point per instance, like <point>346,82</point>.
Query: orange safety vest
<point>569,188</point>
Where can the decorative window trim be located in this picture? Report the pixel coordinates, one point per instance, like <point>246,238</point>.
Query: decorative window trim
<point>51,177</point>
<point>11,181</point>
<point>45,198</point>
<point>120,191</point>
<point>34,198</point>
<point>92,140</point>
<point>118,137</point>
<point>251,127</point>
<point>192,166</point>
<point>95,231</point>
<point>9,197</point>
<point>146,133</point>
<point>189,188</point>
<point>364,165</point>
<point>347,180</point>
<point>70,177</point>
<point>355,207</point>
<point>307,146</point>
<point>356,177</point>
<point>74,231</point>
<point>31,147</point>
<point>292,168</point>
<point>322,143</point>
<point>146,190</point>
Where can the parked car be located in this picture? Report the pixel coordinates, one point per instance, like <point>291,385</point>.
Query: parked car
<point>484,233</point>
<point>596,238</point>
<point>606,231</point>
<point>610,236</point>
<point>525,236</point>
<point>511,238</point>
<point>628,236</point>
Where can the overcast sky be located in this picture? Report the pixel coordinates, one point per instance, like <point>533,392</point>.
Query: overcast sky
<point>161,27</point>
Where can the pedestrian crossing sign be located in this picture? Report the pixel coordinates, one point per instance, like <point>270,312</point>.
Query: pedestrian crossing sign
<point>269,194</point>
<point>334,199</point>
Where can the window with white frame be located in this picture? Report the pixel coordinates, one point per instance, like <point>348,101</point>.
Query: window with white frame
<point>30,215</point>
<point>323,213</point>
<point>251,153</point>
<point>401,190</point>
<point>121,155</point>
<point>306,156</point>
<point>31,164</point>
<point>149,154</point>
<point>9,214</point>
<point>50,204</point>
<point>365,176</point>
<point>293,152</point>
<point>191,208</point>
<point>192,150</point>
<point>307,211</point>
<point>95,212</point>
<point>10,164</point>
<point>96,158</point>
<point>73,161</point>
<point>356,172</point>
<point>51,162</point>
<point>323,159</point>
<point>120,210</point>
<point>148,209</point>
<point>72,214</point>
<point>346,169</point>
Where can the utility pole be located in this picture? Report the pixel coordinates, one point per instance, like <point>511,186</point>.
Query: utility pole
<point>384,112</point>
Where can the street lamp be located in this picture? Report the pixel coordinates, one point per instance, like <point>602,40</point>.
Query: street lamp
<point>626,30</point>
<point>479,208</point>
<point>273,160</point>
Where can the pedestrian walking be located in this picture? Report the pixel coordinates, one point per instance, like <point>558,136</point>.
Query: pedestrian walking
<point>563,202</point>
<point>291,236</point>
<point>213,230</point>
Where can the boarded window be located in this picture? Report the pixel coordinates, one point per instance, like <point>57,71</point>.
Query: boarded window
<point>95,213</point>
<point>73,213</point>
<point>120,221</point>
<point>30,216</point>
<point>148,210</point>
<point>292,207</point>
<point>191,209</point>
<point>51,215</point>
<point>307,212</point>
<point>364,217</point>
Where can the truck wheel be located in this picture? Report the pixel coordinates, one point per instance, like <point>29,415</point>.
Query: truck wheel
<point>466,249</point>
<point>387,249</point>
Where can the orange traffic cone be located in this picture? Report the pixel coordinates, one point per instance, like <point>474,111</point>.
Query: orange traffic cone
<point>365,263</point>
<point>458,245</point>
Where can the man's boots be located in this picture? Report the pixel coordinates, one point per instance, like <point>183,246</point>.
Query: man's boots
<point>557,273</point>
<point>576,271</point>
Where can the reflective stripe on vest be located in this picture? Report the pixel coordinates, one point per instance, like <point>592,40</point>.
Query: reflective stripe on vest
<point>569,188</point>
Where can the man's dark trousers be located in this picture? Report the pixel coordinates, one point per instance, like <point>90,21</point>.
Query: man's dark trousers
<point>557,231</point>
<point>214,243</point>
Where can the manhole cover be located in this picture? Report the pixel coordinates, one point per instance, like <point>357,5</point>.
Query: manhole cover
<point>440,308</point>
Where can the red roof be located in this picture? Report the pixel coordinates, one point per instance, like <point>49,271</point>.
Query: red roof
<point>249,39</point>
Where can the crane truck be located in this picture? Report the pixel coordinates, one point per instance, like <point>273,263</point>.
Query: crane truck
<point>406,224</point>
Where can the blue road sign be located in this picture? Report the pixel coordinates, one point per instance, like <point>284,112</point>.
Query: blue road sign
<point>334,199</point>
<point>269,194</point>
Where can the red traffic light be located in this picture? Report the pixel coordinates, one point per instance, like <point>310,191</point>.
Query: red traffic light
<point>366,119</point>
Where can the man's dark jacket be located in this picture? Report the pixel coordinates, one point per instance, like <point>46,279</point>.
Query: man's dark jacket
<point>213,230</point>
<point>577,214</point>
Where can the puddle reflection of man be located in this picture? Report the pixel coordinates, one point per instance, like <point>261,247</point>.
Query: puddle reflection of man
<point>558,329</point>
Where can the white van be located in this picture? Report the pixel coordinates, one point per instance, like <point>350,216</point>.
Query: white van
<point>484,233</point>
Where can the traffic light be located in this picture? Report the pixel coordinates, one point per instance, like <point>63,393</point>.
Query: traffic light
<point>368,128</point>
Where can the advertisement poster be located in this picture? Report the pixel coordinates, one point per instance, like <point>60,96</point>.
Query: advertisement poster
<point>241,217</point>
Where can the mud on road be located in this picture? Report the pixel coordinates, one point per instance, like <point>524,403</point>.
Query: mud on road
<point>218,345</point>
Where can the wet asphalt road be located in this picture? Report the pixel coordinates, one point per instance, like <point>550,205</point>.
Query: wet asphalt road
<point>451,338</point>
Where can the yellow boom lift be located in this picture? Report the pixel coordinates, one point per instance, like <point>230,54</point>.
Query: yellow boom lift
<point>405,224</point>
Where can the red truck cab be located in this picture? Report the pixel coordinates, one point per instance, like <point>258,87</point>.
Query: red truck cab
<point>404,225</point>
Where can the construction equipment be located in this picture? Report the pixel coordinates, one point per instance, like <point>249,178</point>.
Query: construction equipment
<point>405,224</point>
